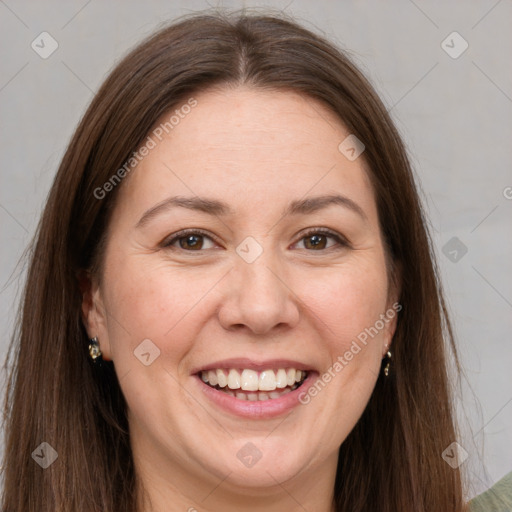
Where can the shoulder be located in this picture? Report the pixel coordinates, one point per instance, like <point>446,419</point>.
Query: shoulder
<point>496,499</point>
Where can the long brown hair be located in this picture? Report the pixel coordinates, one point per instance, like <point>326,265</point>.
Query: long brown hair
<point>391,461</point>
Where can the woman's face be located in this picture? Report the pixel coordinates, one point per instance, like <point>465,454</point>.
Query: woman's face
<point>255,296</point>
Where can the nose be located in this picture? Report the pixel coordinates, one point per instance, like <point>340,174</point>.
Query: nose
<point>257,298</point>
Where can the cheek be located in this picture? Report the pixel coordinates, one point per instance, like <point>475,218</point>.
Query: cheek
<point>347,301</point>
<point>347,307</point>
<point>155,302</point>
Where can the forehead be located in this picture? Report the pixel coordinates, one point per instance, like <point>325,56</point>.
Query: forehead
<point>248,147</point>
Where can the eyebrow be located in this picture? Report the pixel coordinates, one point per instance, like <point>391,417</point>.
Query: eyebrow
<point>218,208</point>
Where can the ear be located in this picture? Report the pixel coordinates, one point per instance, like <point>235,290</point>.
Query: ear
<point>94,313</point>
<point>393,305</point>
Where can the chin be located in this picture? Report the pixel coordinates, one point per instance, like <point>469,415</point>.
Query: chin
<point>253,466</point>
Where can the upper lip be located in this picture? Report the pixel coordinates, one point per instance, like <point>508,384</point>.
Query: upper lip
<point>252,364</point>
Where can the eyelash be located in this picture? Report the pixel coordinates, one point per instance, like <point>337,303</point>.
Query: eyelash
<point>167,244</point>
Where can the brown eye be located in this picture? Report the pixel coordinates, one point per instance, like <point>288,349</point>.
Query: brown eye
<point>317,240</point>
<point>188,241</point>
<point>191,242</point>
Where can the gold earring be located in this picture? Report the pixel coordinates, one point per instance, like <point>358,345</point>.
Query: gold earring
<point>94,350</point>
<point>386,368</point>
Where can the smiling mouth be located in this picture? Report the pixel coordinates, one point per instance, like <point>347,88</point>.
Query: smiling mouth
<point>251,385</point>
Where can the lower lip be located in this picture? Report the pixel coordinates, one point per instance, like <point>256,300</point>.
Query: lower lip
<point>263,409</point>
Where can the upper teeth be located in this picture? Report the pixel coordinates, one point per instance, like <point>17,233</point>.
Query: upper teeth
<point>251,380</point>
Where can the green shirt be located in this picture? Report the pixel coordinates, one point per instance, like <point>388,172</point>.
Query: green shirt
<point>496,499</point>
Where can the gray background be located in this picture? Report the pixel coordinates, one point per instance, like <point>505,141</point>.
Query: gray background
<point>454,113</point>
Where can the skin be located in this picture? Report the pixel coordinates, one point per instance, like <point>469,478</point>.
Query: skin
<point>257,151</point>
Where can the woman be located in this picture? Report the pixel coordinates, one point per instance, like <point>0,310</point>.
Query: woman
<point>232,303</point>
